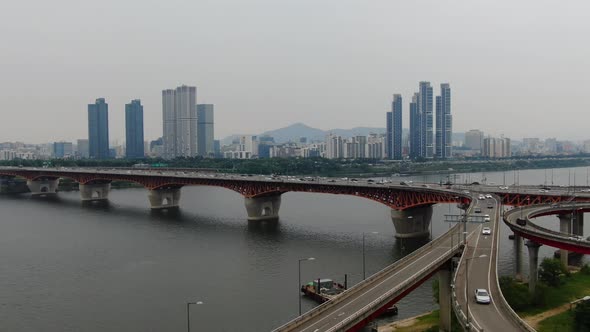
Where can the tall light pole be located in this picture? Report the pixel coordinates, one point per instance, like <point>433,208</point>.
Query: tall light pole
<point>188,316</point>
<point>364,274</point>
<point>299,284</point>
<point>467,260</point>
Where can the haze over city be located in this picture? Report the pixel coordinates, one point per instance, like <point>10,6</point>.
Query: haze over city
<point>518,69</point>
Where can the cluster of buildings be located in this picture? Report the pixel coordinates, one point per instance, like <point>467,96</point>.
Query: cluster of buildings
<point>188,131</point>
<point>430,132</point>
<point>187,128</point>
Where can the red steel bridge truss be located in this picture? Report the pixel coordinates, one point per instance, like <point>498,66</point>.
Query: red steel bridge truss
<point>398,198</point>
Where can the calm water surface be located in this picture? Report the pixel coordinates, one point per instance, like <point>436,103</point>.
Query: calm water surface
<point>68,266</point>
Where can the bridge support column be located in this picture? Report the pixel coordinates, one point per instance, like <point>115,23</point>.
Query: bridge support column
<point>518,256</point>
<point>43,187</point>
<point>444,299</point>
<point>264,208</point>
<point>578,224</point>
<point>168,198</point>
<point>533,264</point>
<point>94,191</point>
<point>564,227</point>
<point>413,222</point>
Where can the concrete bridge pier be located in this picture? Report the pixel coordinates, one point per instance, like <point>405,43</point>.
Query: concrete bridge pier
<point>533,264</point>
<point>165,198</point>
<point>412,222</point>
<point>43,187</point>
<point>518,256</point>
<point>95,191</point>
<point>444,299</point>
<point>564,227</point>
<point>578,224</point>
<point>264,208</point>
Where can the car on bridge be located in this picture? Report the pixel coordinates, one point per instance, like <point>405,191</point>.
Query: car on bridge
<point>482,296</point>
<point>486,231</point>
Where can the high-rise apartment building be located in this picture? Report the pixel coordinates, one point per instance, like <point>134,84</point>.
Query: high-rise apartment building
<point>444,123</point>
<point>82,148</point>
<point>474,139</point>
<point>98,129</point>
<point>62,149</point>
<point>394,129</point>
<point>496,147</point>
<point>205,130</point>
<point>134,144</point>
<point>415,129</point>
<point>426,120</point>
<point>179,110</point>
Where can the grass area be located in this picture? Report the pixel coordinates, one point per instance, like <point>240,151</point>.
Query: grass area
<point>563,322</point>
<point>576,286</point>
<point>429,323</point>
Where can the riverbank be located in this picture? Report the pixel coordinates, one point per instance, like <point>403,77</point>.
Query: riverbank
<point>417,323</point>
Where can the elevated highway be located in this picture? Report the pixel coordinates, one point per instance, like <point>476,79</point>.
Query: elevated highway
<point>368,299</point>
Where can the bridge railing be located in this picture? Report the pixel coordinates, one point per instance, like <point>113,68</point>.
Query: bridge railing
<point>367,282</point>
<point>564,237</point>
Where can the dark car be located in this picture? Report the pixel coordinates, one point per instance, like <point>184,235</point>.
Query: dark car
<point>521,222</point>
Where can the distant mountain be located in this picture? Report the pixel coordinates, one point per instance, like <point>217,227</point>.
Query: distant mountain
<point>295,131</point>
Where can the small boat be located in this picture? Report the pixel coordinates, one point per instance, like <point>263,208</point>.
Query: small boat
<point>322,290</point>
<point>390,311</point>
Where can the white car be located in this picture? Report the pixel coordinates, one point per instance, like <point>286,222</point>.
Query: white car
<point>488,196</point>
<point>486,218</point>
<point>486,230</point>
<point>504,188</point>
<point>481,197</point>
<point>482,296</point>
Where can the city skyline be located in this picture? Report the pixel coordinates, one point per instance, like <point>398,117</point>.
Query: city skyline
<point>297,72</point>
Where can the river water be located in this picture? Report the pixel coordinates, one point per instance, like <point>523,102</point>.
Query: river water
<point>68,266</point>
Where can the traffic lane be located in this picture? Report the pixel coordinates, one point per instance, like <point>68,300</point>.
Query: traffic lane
<point>482,274</point>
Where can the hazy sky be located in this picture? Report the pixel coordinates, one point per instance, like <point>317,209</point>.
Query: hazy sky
<point>519,68</point>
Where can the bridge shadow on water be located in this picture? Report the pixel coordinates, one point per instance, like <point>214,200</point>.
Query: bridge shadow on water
<point>269,231</point>
<point>403,247</point>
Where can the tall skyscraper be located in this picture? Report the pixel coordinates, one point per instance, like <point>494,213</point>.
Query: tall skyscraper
<point>394,129</point>
<point>134,130</point>
<point>98,129</point>
<point>179,111</point>
<point>415,129</point>
<point>444,123</point>
<point>426,120</point>
<point>205,130</point>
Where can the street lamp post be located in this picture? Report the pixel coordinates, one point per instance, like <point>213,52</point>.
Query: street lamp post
<point>188,316</point>
<point>467,260</point>
<point>364,273</point>
<point>299,284</point>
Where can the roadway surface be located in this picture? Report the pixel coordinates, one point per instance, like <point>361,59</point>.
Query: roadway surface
<point>482,253</point>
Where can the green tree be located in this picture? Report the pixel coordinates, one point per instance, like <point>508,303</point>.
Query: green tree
<point>582,317</point>
<point>517,294</point>
<point>551,271</point>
